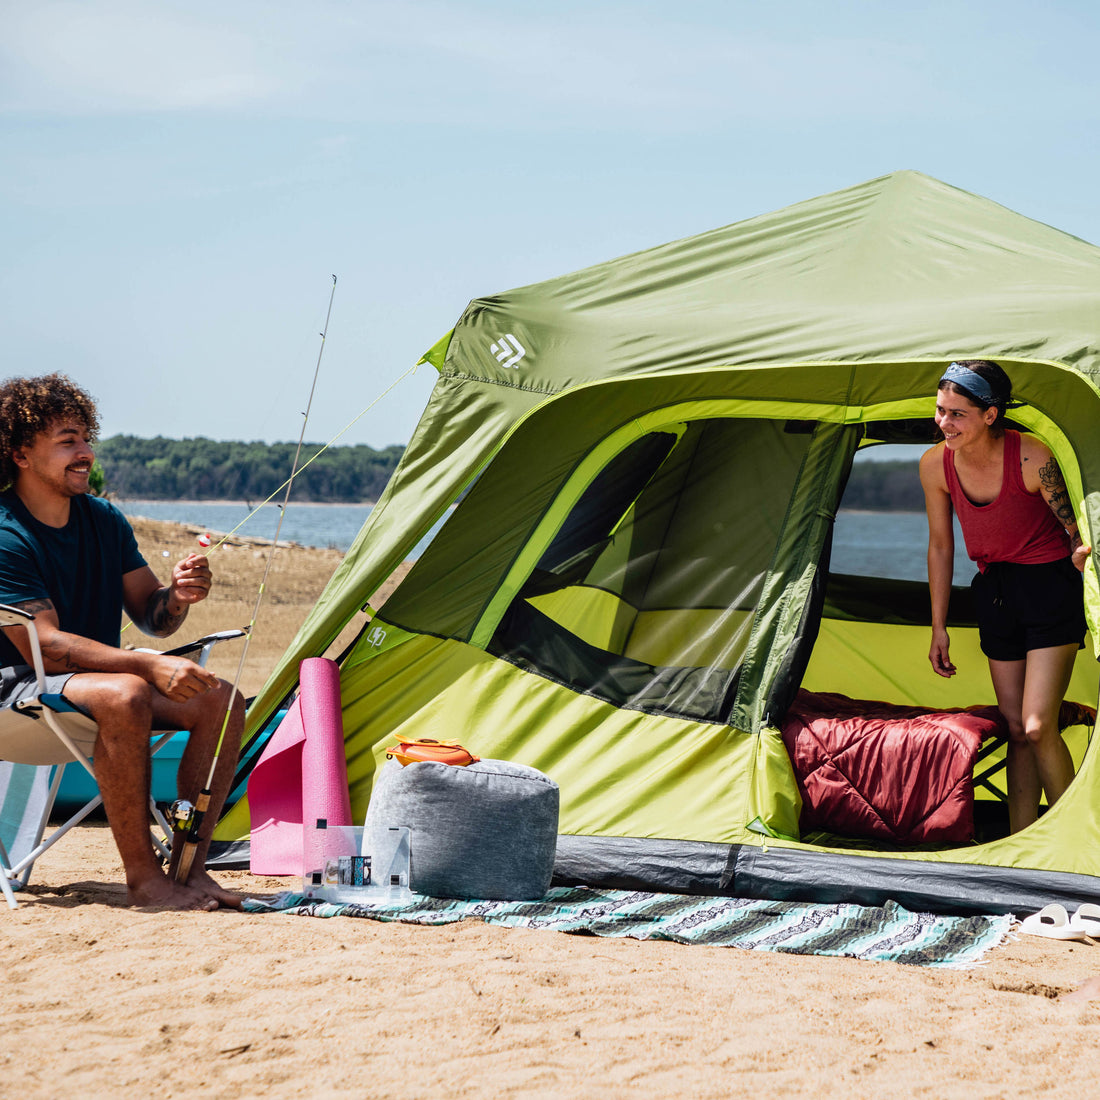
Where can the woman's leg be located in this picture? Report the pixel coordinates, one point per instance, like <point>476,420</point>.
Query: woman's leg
<point>1024,786</point>
<point>1045,684</point>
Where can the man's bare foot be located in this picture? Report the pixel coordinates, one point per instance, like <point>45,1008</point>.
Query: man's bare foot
<point>162,892</point>
<point>201,880</point>
<point>1087,991</point>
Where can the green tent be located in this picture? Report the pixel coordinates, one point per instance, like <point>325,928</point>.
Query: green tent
<point>649,455</point>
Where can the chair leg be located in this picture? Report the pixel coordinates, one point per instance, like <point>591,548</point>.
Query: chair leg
<point>5,878</point>
<point>163,846</point>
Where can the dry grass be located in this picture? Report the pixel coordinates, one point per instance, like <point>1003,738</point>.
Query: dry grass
<point>298,576</point>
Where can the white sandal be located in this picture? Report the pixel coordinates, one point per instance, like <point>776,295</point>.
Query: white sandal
<point>1087,920</point>
<point>1053,922</point>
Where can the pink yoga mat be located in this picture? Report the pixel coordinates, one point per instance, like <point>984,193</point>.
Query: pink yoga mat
<point>301,776</point>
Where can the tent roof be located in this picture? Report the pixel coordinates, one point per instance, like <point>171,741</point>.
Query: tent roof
<point>902,267</point>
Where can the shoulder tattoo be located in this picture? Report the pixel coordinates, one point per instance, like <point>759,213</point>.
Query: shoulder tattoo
<point>1056,493</point>
<point>32,607</point>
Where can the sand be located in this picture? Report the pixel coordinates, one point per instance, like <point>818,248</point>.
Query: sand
<point>102,1000</point>
<point>99,999</point>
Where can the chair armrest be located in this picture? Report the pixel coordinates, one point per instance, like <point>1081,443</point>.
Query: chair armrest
<point>207,641</point>
<point>16,616</point>
<point>13,616</point>
<point>202,645</point>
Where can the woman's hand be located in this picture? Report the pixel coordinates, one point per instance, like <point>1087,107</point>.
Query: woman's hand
<point>938,654</point>
<point>1081,554</point>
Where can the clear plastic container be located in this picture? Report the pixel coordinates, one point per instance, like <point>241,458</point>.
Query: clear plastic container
<point>359,867</point>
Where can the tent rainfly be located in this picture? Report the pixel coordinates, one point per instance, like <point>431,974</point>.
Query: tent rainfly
<point>650,454</point>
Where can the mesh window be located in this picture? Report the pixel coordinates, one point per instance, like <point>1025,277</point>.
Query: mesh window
<point>646,596</point>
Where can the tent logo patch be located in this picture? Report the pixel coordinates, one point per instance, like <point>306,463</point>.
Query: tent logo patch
<point>507,350</point>
<point>377,636</point>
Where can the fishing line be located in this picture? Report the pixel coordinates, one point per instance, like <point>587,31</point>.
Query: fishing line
<point>286,484</point>
<point>343,431</point>
<point>309,461</point>
<point>187,816</point>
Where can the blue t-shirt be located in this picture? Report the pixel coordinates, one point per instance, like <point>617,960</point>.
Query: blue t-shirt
<point>78,567</point>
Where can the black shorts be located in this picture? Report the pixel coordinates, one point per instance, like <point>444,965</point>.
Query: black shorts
<point>1025,607</point>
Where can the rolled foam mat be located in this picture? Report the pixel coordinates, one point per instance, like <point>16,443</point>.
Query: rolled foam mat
<point>301,777</point>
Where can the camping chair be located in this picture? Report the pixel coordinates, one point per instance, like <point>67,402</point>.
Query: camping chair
<point>32,764</point>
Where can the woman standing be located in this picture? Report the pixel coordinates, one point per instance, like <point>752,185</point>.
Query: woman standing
<point>1019,529</point>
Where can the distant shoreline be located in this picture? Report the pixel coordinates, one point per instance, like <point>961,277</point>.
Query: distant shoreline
<point>881,511</point>
<point>372,503</point>
<point>241,503</point>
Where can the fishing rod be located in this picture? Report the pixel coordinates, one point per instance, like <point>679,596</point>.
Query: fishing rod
<point>308,462</point>
<point>187,817</point>
<point>205,540</point>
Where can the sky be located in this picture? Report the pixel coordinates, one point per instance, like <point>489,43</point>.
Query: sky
<point>179,181</point>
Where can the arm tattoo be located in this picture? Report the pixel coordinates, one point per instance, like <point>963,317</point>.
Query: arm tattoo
<point>61,655</point>
<point>1054,488</point>
<point>159,620</point>
<point>176,673</point>
<point>60,651</point>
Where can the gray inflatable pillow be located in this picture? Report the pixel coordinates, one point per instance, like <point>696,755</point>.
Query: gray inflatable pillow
<point>488,830</point>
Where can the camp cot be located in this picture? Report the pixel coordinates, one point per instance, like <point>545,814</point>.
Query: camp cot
<point>648,457</point>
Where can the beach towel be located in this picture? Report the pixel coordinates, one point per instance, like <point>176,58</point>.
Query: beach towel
<point>886,933</point>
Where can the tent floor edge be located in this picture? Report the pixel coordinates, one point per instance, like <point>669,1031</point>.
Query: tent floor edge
<point>828,878</point>
<point>639,863</point>
<point>229,855</point>
<point>786,874</point>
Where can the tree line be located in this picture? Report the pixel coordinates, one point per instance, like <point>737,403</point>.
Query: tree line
<point>892,486</point>
<point>207,469</point>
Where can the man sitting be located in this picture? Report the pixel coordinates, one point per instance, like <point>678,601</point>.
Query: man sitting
<point>71,560</point>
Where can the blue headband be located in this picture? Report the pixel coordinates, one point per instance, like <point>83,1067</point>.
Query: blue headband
<point>971,381</point>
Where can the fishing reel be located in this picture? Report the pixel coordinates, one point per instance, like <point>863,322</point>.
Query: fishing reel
<point>181,815</point>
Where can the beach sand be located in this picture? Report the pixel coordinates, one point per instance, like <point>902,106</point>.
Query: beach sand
<point>102,1000</point>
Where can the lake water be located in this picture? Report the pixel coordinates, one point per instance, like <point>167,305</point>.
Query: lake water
<point>890,544</point>
<point>325,525</point>
<point>877,544</point>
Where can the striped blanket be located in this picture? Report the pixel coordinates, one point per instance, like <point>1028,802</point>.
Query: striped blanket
<point>886,933</point>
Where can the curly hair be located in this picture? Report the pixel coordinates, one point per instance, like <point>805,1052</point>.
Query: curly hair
<point>30,405</point>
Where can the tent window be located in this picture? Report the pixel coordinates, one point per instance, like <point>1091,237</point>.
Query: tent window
<point>593,519</point>
<point>646,597</point>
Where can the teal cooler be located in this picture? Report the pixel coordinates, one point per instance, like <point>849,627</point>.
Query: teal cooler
<point>78,787</point>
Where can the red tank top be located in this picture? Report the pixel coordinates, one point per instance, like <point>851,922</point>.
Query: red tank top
<point>1018,526</point>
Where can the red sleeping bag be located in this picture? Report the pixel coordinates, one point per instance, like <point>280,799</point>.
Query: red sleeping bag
<point>884,772</point>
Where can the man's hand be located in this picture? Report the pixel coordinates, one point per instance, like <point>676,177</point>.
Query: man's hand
<point>179,679</point>
<point>191,579</point>
<point>938,654</point>
<point>161,611</point>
